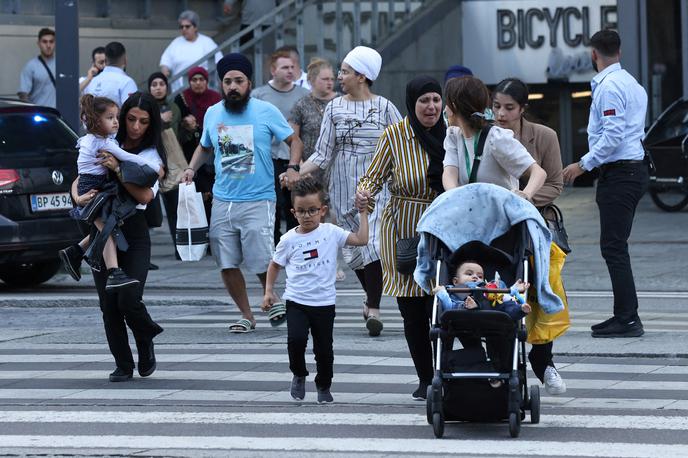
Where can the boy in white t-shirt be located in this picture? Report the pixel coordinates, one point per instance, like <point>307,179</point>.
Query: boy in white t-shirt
<point>309,254</point>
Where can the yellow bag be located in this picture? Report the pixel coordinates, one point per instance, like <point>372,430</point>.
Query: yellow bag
<point>542,327</point>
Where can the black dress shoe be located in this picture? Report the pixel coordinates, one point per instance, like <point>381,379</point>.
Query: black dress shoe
<point>603,324</point>
<point>618,328</point>
<point>147,363</point>
<point>120,375</point>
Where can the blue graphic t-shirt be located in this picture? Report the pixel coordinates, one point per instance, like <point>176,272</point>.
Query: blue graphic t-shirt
<point>242,143</point>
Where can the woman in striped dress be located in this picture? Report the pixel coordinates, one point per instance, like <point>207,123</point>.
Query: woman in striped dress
<point>409,156</point>
<point>350,130</point>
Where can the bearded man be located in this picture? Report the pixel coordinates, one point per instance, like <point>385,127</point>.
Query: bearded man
<point>240,130</point>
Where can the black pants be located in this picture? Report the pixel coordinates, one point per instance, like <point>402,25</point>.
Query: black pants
<point>126,308</point>
<point>417,313</point>
<point>320,321</point>
<point>619,190</point>
<point>170,199</point>
<point>540,356</point>
<point>370,278</point>
<point>283,204</point>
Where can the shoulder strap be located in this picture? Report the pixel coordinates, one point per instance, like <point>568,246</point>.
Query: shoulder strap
<point>47,69</point>
<point>478,154</point>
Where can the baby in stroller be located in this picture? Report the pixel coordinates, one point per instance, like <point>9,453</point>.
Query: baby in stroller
<point>470,274</point>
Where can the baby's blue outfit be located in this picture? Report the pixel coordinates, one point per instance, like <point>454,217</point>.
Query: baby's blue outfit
<point>457,301</point>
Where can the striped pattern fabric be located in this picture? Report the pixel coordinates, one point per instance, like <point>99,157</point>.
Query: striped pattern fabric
<point>348,136</point>
<point>400,161</point>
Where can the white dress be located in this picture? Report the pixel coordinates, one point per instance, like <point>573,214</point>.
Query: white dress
<point>348,137</point>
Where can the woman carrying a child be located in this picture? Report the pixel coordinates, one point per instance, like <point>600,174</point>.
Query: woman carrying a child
<point>506,162</point>
<point>139,134</point>
<point>409,157</point>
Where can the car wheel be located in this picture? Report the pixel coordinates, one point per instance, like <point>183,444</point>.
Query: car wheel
<point>29,274</point>
<point>669,199</point>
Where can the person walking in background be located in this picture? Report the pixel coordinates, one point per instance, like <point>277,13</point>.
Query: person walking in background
<point>186,49</point>
<point>193,103</point>
<point>283,94</point>
<point>113,83</point>
<point>615,132</point>
<point>37,78</point>
<point>171,116</point>
<point>310,290</point>
<point>240,130</point>
<point>409,155</point>
<point>300,78</point>
<point>250,12</point>
<point>97,66</point>
<point>351,127</point>
<point>509,103</point>
<point>124,308</point>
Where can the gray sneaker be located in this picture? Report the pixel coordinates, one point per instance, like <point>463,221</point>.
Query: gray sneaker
<point>298,388</point>
<point>324,396</point>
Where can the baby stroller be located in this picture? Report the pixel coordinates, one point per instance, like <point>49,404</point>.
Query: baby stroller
<point>466,384</point>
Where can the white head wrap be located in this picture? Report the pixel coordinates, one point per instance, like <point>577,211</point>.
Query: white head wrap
<point>365,61</point>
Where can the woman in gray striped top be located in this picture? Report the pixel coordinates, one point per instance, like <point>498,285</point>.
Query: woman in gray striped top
<point>349,133</point>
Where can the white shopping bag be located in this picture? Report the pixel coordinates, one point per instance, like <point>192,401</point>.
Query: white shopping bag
<point>191,236</point>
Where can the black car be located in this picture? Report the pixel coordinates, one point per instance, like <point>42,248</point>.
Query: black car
<point>37,166</point>
<point>666,140</point>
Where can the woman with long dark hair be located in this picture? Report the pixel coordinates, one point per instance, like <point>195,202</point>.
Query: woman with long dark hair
<point>139,133</point>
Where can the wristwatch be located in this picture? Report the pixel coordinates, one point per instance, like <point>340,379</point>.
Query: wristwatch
<point>295,167</point>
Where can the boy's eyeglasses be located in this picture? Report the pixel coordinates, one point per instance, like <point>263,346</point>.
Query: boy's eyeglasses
<point>309,212</point>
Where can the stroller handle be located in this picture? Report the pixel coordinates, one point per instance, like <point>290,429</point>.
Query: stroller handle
<point>479,290</point>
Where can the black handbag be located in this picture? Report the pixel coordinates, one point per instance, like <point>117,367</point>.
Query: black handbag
<point>153,212</point>
<point>555,223</point>
<point>407,253</point>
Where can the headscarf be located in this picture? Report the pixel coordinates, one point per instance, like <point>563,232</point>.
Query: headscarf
<point>432,140</point>
<point>199,103</point>
<point>365,61</point>
<point>234,61</point>
<point>161,76</point>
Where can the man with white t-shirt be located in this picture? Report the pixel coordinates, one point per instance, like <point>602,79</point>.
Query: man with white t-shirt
<point>186,49</point>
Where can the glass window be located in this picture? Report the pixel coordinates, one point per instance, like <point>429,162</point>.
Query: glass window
<point>34,132</point>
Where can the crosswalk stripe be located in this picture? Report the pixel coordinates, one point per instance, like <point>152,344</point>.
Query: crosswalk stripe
<point>340,377</point>
<point>282,396</point>
<point>673,423</point>
<point>351,445</point>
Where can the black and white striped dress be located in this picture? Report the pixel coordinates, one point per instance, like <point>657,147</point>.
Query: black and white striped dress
<point>348,137</point>
<point>401,161</point>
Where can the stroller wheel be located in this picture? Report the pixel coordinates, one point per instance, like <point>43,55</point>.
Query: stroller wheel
<point>428,405</point>
<point>535,404</point>
<point>514,424</point>
<point>438,424</point>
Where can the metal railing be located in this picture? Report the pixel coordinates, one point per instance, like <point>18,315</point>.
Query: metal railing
<point>383,18</point>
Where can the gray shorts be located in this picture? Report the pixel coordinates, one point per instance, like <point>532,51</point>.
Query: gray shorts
<point>242,232</point>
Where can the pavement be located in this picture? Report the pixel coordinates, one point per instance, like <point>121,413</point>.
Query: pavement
<point>658,246</point>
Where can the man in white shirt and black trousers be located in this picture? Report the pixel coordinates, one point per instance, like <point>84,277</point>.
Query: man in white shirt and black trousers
<point>615,132</point>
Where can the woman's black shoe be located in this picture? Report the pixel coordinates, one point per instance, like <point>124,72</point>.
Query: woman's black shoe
<point>421,393</point>
<point>120,375</point>
<point>147,362</point>
<point>152,266</point>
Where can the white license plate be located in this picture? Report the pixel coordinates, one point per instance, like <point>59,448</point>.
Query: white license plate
<point>54,201</point>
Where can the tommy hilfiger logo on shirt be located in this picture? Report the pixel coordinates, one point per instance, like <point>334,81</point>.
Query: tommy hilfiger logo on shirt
<point>310,254</point>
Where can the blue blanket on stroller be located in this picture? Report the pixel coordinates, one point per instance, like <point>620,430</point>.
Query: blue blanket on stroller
<point>482,211</point>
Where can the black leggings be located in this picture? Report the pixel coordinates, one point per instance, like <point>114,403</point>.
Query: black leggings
<point>540,356</point>
<point>370,278</point>
<point>126,308</point>
<point>417,313</point>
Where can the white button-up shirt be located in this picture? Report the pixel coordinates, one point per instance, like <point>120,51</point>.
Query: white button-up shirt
<point>112,83</point>
<point>616,125</point>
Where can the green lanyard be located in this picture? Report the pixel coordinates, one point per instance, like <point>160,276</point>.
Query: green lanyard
<point>469,165</point>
